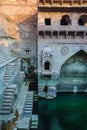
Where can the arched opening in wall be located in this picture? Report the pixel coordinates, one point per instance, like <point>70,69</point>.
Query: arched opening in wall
<point>73,72</point>
<point>56,1</point>
<point>83,20</point>
<point>41,34</point>
<point>48,1</point>
<point>65,20</point>
<point>55,34</point>
<point>48,34</point>
<point>41,1</point>
<point>47,65</point>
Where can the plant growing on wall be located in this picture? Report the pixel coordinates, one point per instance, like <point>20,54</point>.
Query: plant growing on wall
<point>10,124</point>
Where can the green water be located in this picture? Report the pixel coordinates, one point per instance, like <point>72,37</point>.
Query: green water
<point>66,112</point>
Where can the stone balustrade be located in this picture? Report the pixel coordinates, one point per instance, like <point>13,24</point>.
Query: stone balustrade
<point>56,31</point>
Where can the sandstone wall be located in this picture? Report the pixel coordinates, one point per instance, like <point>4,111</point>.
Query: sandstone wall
<point>18,20</point>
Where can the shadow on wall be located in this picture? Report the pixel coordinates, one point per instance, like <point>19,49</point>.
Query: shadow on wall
<point>28,28</point>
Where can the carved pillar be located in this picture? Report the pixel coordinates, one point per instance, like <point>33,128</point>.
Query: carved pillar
<point>71,2</point>
<point>81,2</point>
<point>61,2</point>
<point>44,2</point>
<point>75,34</point>
<point>66,34</point>
<point>51,2</point>
<point>84,34</point>
<point>38,1</point>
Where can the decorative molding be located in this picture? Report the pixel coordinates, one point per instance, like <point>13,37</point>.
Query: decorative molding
<point>64,50</point>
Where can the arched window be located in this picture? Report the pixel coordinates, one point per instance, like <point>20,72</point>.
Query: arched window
<point>65,20</point>
<point>82,20</point>
<point>47,65</point>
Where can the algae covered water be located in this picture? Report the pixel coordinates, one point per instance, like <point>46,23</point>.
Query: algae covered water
<point>66,112</point>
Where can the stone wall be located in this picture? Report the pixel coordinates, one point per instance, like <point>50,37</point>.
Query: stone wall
<point>61,52</point>
<point>57,16</point>
<point>18,19</point>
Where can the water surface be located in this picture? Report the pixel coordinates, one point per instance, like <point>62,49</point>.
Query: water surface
<point>66,112</point>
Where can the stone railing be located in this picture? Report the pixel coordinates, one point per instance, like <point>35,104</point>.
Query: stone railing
<point>7,61</point>
<point>42,27</point>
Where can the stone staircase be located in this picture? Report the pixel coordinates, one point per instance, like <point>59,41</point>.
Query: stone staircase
<point>28,106</point>
<point>8,73</point>
<point>8,100</point>
<point>34,122</point>
<point>4,58</point>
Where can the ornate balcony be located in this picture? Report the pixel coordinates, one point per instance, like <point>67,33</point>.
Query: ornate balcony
<point>59,30</point>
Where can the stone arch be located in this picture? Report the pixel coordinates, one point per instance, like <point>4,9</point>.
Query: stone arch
<point>82,20</point>
<point>74,71</point>
<point>65,20</point>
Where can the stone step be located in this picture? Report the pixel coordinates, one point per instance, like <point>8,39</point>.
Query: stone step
<point>8,74</point>
<point>6,104</point>
<point>28,112</point>
<point>29,95</point>
<point>4,112</point>
<point>9,69</point>
<point>10,66</point>
<point>9,90</point>
<point>6,80</point>
<point>7,98</point>
<point>29,101</point>
<point>29,98</point>
<point>5,108</point>
<point>7,77</point>
<point>7,101</point>
<point>8,94</point>
<point>27,108</point>
<point>30,105</point>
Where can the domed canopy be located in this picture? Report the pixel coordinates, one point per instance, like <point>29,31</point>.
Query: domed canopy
<point>47,51</point>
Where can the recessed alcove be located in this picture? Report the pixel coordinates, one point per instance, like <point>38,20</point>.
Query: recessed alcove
<point>74,72</point>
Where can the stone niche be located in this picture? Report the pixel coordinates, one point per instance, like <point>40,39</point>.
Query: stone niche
<point>74,72</point>
<point>47,61</point>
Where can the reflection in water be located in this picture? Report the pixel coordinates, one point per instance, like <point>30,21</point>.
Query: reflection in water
<point>66,112</point>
